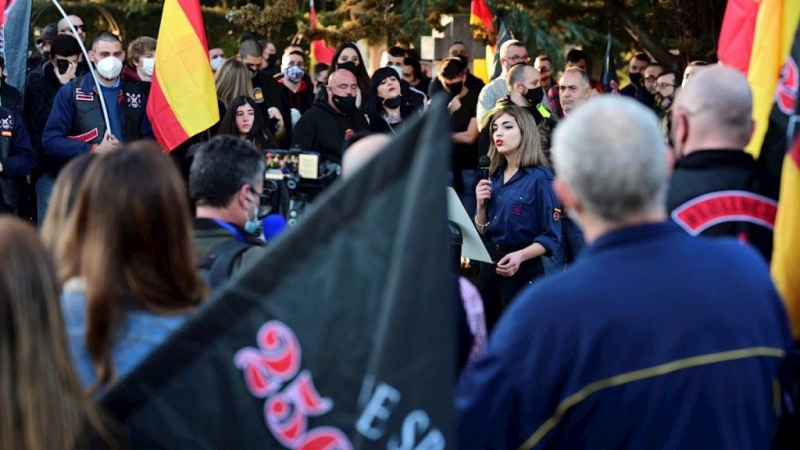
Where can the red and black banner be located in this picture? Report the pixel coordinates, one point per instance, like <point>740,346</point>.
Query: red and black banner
<point>340,336</point>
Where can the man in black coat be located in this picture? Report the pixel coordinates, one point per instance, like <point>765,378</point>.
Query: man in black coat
<point>266,92</point>
<point>327,124</point>
<point>717,189</point>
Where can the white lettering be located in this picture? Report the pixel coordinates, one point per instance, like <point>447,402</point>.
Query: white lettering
<point>372,423</point>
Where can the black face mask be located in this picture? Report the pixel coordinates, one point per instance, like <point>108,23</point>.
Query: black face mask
<point>393,103</point>
<point>464,60</point>
<point>534,96</point>
<point>636,78</point>
<point>346,104</point>
<point>62,65</point>
<point>272,60</point>
<point>454,88</point>
<point>349,65</point>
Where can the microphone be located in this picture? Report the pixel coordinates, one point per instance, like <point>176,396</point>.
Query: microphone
<point>484,162</point>
<point>273,226</point>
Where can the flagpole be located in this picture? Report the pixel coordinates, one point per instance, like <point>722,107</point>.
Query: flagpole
<point>89,61</point>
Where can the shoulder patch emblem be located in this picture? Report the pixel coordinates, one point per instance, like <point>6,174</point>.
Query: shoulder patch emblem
<point>134,100</point>
<point>556,214</point>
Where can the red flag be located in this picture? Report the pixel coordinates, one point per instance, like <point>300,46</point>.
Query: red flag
<point>736,38</point>
<point>319,51</point>
<point>479,13</point>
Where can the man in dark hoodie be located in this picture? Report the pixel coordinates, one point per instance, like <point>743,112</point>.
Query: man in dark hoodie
<point>328,123</point>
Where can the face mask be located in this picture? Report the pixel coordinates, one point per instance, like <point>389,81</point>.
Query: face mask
<point>62,65</point>
<point>393,103</point>
<point>251,226</point>
<point>534,96</point>
<point>272,59</point>
<point>636,79</point>
<point>663,103</point>
<point>216,62</point>
<point>464,60</point>
<point>346,104</point>
<point>109,68</point>
<point>399,71</point>
<point>147,66</point>
<point>454,88</point>
<point>349,65</point>
<point>293,74</point>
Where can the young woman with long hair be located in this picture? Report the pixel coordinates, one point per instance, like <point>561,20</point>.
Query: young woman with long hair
<point>43,405</point>
<point>243,119</point>
<point>348,56</point>
<point>387,106</point>
<point>127,259</point>
<point>232,80</point>
<point>518,212</point>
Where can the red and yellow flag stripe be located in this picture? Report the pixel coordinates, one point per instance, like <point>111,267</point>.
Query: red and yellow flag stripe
<point>183,98</point>
<point>479,13</point>
<point>786,252</point>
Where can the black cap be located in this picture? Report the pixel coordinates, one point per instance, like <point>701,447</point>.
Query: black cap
<point>48,34</point>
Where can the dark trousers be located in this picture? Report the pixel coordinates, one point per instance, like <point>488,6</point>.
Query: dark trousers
<point>498,291</point>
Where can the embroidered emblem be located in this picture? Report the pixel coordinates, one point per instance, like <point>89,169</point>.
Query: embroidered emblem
<point>134,100</point>
<point>258,95</point>
<point>7,123</point>
<point>83,96</point>
<point>556,214</point>
<point>85,137</point>
<point>517,210</point>
<point>349,133</point>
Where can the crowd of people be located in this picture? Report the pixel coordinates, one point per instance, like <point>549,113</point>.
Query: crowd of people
<point>655,337</point>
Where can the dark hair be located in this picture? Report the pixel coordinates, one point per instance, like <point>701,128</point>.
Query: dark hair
<point>698,63</point>
<point>452,68</point>
<point>542,58</point>
<point>250,48</point>
<point>361,71</point>
<point>397,51</point>
<point>642,57</point>
<point>415,66</point>
<point>576,55</point>
<point>298,53</point>
<point>65,45</point>
<point>673,73</point>
<point>458,43</point>
<point>516,75</point>
<point>132,244</point>
<point>248,36</point>
<point>258,135</point>
<point>319,68</point>
<point>221,167</point>
<point>65,193</point>
<point>374,104</point>
<point>105,36</point>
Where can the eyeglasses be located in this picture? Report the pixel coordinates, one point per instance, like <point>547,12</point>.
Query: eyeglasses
<point>77,27</point>
<point>518,58</point>
<point>664,85</point>
<point>650,79</point>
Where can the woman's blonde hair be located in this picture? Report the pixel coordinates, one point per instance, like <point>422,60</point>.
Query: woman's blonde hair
<point>43,405</point>
<point>65,192</point>
<point>233,80</point>
<point>530,152</point>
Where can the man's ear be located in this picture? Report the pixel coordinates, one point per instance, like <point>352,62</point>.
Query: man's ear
<point>239,57</point>
<point>564,193</point>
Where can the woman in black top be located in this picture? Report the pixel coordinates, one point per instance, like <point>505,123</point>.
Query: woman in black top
<point>388,108</point>
<point>348,57</point>
<point>243,119</point>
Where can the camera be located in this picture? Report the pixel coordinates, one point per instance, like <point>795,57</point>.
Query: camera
<point>293,179</point>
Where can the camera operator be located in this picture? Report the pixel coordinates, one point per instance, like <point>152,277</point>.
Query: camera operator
<point>226,182</point>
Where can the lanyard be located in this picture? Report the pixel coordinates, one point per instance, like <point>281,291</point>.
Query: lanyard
<point>232,229</point>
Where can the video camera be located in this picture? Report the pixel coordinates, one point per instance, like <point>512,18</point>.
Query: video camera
<point>293,179</point>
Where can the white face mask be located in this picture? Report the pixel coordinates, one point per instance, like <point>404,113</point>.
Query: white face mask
<point>216,62</point>
<point>109,68</point>
<point>399,71</point>
<point>147,66</point>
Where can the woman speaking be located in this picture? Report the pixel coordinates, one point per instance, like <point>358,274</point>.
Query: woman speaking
<point>518,212</point>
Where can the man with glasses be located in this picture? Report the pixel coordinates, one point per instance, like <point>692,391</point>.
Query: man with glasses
<point>225,183</point>
<point>512,52</point>
<point>648,94</point>
<point>332,120</point>
<point>77,23</point>
<point>667,88</point>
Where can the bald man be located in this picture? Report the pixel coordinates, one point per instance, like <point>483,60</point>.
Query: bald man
<point>362,151</point>
<point>77,23</point>
<point>326,125</point>
<point>717,189</point>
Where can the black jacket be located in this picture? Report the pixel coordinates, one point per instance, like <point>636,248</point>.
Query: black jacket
<point>41,88</point>
<point>724,193</point>
<point>267,94</point>
<point>473,83</point>
<point>322,129</point>
<point>11,98</point>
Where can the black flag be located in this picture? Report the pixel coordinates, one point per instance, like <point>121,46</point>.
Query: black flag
<point>504,34</point>
<point>340,336</point>
<point>609,77</point>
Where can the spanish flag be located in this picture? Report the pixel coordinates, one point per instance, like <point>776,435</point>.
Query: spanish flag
<point>183,99</point>
<point>786,253</point>
<point>479,14</point>
<point>736,37</point>
<point>774,34</point>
